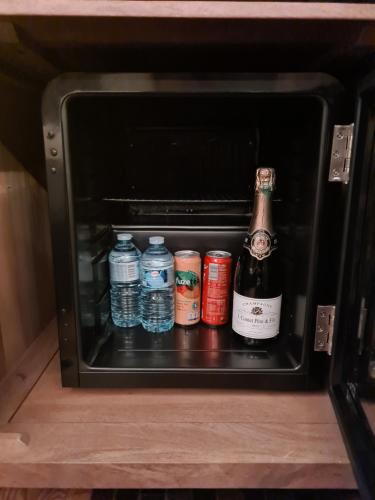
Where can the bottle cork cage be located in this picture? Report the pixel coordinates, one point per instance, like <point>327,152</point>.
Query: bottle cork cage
<point>176,156</point>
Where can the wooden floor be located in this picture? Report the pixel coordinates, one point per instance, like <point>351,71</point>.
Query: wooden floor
<point>168,438</point>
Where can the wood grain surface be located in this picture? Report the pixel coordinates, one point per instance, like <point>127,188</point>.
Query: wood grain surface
<point>21,378</point>
<point>2,356</point>
<point>26,286</point>
<point>176,443</point>
<point>167,438</point>
<point>188,9</point>
<point>173,44</point>
<point>80,466</point>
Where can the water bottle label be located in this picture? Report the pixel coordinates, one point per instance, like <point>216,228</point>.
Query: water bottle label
<point>158,278</point>
<point>124,272</point>
<point>256,318</point>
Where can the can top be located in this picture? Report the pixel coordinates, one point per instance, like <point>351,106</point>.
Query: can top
<point>184,254</point>
<point>124,236</point>
<point>219,254</point>
<point>156,240</point>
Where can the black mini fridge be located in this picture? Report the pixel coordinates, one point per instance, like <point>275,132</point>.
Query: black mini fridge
<point>175,155</point>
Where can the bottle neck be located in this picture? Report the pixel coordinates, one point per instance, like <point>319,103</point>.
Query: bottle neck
<point>157,248</point>
<point>262,212</point>
<point>124,244</point>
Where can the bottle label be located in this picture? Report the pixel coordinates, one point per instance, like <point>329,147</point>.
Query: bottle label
<point>260,244</point>
<point>158,278</point>
<point>124,272</point>
<point>256,318</point>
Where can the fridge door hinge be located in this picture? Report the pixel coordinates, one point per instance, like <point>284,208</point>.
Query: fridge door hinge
<point>325,321</point>
<point>342,144</point>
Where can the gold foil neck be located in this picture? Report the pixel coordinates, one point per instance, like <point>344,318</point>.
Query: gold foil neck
<point>265,179</point>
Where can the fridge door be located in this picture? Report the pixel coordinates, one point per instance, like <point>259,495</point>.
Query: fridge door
<point>352,377</point>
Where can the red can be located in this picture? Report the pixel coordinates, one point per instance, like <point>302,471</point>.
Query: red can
<point>216,286</point>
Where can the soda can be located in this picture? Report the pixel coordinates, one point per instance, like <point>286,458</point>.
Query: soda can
<point>216,287</point>
<point>188,287</point>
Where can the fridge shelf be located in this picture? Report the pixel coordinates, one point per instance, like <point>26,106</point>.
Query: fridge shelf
<point>197,348</point>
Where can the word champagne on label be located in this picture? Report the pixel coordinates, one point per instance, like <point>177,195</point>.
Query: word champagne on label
<point>257,283</point>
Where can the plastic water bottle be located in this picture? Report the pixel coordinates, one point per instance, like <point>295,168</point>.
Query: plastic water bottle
<point>124,273</point>
<point>157,276</point>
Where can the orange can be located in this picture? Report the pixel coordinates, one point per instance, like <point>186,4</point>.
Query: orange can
<point>188,287</point>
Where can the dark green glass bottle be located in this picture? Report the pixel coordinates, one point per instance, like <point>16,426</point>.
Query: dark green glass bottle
<point>257,280</point>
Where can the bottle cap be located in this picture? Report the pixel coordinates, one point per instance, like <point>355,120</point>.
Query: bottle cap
<point>124,237</point>
<point>265,179</point>
<point>156,240</point>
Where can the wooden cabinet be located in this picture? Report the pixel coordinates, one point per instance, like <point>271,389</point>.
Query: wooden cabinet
<point>166,438</point>
<point>142,438</point>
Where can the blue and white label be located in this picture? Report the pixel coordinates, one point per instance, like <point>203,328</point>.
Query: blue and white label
<point>158,278</point>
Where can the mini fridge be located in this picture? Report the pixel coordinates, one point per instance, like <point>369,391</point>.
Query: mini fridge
<point>175,155</point>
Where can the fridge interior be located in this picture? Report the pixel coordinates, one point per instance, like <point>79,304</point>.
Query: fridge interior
<point>183,166</point>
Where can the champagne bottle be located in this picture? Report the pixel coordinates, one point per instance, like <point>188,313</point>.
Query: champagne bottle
<point>257,281</point>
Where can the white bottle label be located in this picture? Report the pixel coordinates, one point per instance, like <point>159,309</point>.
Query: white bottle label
<point>256,318</point>
<point>124,272</point>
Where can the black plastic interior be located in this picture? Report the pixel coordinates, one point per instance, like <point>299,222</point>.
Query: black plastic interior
<point>183,166</point>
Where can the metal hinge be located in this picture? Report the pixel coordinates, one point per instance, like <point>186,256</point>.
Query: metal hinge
<point>342,143</point>
<point>325,321</point>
